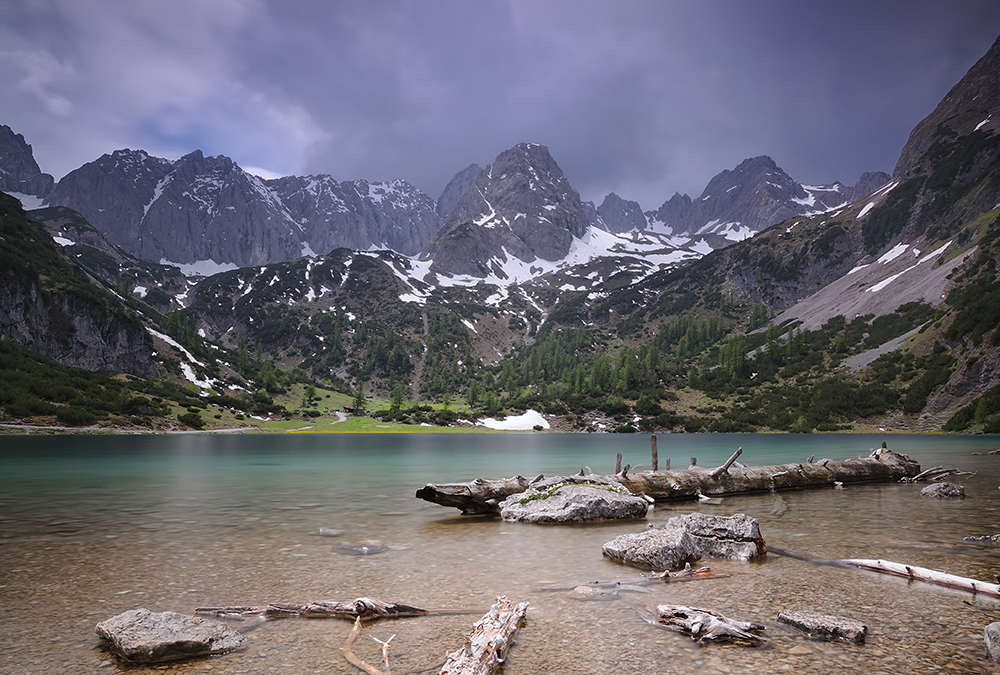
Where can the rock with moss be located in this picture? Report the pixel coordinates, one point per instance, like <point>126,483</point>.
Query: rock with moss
<point>574,502</point>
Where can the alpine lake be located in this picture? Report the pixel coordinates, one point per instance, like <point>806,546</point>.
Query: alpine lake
<point>92,526</point>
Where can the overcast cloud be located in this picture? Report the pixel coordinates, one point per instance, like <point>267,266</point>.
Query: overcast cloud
<point>643,98</point>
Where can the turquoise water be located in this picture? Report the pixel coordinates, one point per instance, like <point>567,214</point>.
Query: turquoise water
<point>92,526</point>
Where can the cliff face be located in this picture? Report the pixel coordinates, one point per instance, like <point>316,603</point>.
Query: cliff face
<point>60,312</point>
<point>75,331</point>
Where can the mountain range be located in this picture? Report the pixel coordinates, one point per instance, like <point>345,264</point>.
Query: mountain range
<point>763,303</point>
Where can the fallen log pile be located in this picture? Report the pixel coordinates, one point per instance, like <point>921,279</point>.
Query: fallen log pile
<point>483,497</point>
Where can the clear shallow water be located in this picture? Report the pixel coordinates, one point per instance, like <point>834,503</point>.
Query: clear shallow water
<point>93,526</point>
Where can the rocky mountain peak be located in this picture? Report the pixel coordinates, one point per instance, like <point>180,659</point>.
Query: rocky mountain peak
<point>973,104</point>
<point>621,215</point>
<point>19,171</point>
<point>737,203</point>
<point>520,206</point>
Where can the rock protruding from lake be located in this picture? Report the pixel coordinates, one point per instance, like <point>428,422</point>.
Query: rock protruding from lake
<point>735,537</point>
<point>993,641</point>
<point>564,502</point>
<point>943,491</point>
<point>825,626</point>
<point>682,539</point>
<point>661,548</point>
<point>144,636</point>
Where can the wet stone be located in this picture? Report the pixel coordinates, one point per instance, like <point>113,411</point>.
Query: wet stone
<point>943,491</point>
<point>825,626</point>
<point>144,636</point>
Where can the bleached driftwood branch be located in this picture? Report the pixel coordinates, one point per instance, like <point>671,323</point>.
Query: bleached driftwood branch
<point>485,650</point>
<point>925,574</point>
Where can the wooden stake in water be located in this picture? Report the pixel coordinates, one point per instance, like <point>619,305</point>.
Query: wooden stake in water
<point>652,450</point>
<point>618,464</point>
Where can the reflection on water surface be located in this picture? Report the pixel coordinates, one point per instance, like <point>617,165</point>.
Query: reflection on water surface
<point>90,527</point>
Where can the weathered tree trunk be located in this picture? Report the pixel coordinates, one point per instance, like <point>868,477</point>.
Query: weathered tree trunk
<point>485,650</point>
<point>478,497</point>
<point>705,624</point>
<point>924,574</point>
<point>484,496</point>
<point>360,608</point>
<point>672,485</point>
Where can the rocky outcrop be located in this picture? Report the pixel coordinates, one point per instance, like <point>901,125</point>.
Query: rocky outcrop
<point>564,502</point>
<point>143,636</point>
<point>19,171</point>
<point>825,626</point>
<point>943,491</point>
<point>75,330</point>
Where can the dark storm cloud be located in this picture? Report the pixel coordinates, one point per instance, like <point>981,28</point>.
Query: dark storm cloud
<point>644,98</point>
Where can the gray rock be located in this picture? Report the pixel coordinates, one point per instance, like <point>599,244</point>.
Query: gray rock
<point>18,170</point>
<point>621,215</point>
<point>992,636</point>
<point>144,636</point>
<point>573,504</point>
<point>825,626</point>
<point>667,548</point>
<point>735,537</point>
<point>943,491</point>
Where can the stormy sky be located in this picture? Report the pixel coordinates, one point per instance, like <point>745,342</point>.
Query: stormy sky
<point>643,98</point>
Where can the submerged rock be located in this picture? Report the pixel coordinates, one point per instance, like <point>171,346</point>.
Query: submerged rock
<point>361,549</point>
<point>825,626</point>
<point>665,548</point>
<point>573,503</point>
<point>992,636</point>
<point>943,491</point>
<point>144,636</point>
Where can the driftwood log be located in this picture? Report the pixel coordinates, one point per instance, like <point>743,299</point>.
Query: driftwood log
<point>706,624</point>
<point>486,648</point>
<point>923,574</point>
<point>482,496</point>
<point>364,609</point>
<point>937,473</point>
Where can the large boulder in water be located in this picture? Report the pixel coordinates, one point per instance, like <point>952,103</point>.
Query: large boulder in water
<point>663,548</point>
<point>735,537</point>
<point>144,636</point>
<point>943,491</point>
<point>667,546</point>
<point>566,502</point>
